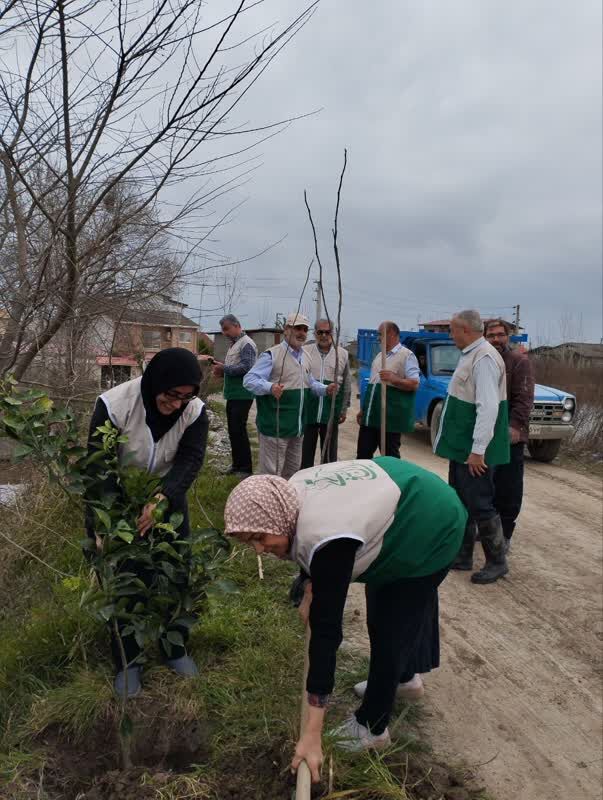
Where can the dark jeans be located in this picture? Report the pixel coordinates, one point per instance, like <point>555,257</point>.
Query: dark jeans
<point>369,440</point>
<point>508,485</point>
<point>475,493</point>
<point>403,627</point>
<point>311,434</point>
<point>237,412</point>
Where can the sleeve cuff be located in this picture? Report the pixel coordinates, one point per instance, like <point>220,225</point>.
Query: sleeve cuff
<point>479,449</point>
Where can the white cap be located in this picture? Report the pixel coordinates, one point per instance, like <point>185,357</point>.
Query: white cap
<point>297,319</point>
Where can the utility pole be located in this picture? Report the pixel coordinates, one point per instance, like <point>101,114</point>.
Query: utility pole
<point>318,299</point>
<point>516,318</point>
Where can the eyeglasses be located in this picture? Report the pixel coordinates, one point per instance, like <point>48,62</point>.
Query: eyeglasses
<point>174,395</point>
<point>323,333</point>
<point>301,328</point>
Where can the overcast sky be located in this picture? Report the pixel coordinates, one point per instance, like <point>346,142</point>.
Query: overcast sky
<point>474,179</point>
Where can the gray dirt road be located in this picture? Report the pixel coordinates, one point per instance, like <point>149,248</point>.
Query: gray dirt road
<point>519,689</point>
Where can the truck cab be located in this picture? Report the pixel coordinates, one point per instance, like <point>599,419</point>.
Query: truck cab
<point>437,354</point>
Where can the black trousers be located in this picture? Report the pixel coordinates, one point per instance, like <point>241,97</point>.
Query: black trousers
<point>311,434</point>
<point>475,493</point>
<point>508,486</point>
<point>237,412</point>
<point>403,627</point>
<point>369,440</point>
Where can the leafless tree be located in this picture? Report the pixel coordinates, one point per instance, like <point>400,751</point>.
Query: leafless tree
<point>104,109</point>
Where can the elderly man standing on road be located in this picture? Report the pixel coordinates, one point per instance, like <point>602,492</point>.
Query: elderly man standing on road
<point>323,360</point>
<point>402,377</point>
<point>280,380</point>
<point>474,436</point>
<point>240,358</point>
<point>508,478</point>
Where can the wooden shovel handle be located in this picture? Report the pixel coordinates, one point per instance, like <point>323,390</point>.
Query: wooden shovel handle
<point>304,778</point>
<point>383,393</point>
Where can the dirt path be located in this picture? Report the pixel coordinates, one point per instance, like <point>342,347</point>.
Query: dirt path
<point>519,689</point>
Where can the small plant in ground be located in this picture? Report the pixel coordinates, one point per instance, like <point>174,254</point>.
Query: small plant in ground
<point>147,587</point>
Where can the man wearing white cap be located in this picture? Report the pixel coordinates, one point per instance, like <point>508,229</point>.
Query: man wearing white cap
<point>280,380</point>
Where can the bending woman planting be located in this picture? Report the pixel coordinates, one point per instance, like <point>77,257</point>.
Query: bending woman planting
<point>384,522</point>
<point>166,427</point>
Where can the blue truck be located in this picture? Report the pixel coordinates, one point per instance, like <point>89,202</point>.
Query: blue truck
<point>437,354</point>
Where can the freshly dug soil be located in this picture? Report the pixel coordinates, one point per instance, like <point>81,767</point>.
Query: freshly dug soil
<point>164,748</point>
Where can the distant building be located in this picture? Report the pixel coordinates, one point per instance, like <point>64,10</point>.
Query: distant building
<point>127,340</point>
<point>436,326</point>
<point>443,325</point>
<point>581,354</point>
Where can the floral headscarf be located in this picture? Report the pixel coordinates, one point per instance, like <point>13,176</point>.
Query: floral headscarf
<point>262,504</point>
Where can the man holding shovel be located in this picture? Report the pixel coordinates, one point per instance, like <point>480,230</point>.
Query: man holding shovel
<point>383,522</point>
<point>401,375</point>
<point>281,380</point>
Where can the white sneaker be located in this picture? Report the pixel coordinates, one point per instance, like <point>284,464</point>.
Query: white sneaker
<point>354,738</point>
<point>411,690</point>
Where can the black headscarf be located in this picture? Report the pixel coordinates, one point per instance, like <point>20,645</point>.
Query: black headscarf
<point>167,369</point>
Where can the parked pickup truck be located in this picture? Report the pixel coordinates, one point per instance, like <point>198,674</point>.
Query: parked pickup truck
<point>551,417</point>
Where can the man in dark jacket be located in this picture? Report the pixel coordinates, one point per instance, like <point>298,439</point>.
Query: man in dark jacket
<point>508,478</point>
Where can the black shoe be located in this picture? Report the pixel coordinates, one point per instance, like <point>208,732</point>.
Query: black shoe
<point>463,563</point>
<point>237,473</point>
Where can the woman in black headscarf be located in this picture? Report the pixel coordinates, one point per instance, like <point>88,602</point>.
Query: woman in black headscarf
<point>166,426</point>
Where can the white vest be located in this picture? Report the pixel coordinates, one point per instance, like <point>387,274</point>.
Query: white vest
<point>127,412</point>
<point>462,384</point>
<point>347,499</point>
<point>323,369</point>
<point>233,356</point>
<point>286,369</point>
<point>395,362</point>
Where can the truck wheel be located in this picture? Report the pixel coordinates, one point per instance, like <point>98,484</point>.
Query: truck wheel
<point>544,449</point>
<point>434,423</point>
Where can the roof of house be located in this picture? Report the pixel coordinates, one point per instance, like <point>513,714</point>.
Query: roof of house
<point>447,322</point>
<point>250,330</point>
<point>584,349</point>
<point>151,317</point>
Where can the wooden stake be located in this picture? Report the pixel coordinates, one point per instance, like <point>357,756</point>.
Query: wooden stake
<point>260,567</point>
<point>303,787</point>
<point>383,392</point>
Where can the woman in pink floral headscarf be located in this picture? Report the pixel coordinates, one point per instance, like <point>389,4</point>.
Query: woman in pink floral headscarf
<point>384,522</point>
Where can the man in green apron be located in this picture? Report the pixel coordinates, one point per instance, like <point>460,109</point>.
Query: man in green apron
<point>402,376</point>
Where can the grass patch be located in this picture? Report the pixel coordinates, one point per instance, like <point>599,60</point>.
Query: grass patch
<point>77,706</point>
<point>225,735</point>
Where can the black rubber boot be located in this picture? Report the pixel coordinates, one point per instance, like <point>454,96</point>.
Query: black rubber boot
<point>493,542</point>
<point>464,559</point>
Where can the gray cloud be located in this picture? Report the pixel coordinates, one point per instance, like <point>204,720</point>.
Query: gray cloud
<point>474,136</point>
